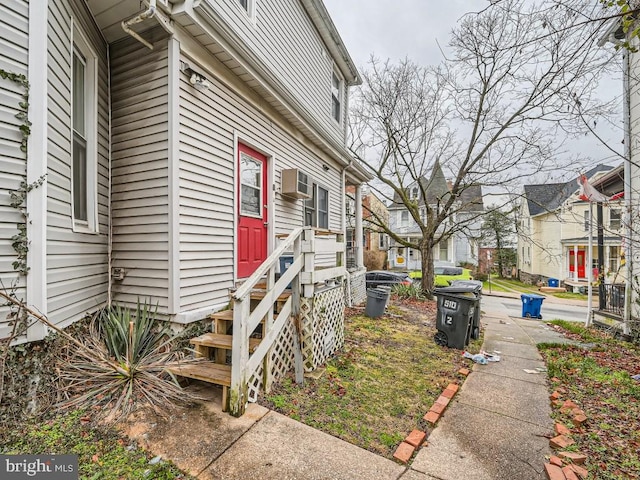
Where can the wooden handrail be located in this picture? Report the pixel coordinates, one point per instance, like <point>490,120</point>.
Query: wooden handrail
<point>245,289</point>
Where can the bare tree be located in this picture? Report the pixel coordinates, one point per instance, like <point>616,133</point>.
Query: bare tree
<point>499,108</point>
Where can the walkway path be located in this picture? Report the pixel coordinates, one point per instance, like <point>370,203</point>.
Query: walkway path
<point>494,429</point>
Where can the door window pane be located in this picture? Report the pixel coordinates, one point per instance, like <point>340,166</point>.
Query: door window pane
<point>250,186</point>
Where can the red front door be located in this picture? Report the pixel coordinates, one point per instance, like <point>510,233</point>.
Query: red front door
<point>581,270</point>
<point>252,210</point>
<point>581,263</point>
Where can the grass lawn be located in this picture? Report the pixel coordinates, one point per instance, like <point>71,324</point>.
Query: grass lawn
<point>102,453</point>
<point>598,379</point>
<point>493,287</point>
<point>574,296</point>
<point>377,390</point>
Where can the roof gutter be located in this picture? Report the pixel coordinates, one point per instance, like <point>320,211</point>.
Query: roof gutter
<point>139,18</point>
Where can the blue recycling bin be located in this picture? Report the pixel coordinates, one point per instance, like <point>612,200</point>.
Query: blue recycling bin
<point>285,263</point>
<point>531,305</point>
<point>553,282</point>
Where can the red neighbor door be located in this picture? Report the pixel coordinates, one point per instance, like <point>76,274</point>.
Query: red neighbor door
<point>252,210</point>
<point>581,263</point>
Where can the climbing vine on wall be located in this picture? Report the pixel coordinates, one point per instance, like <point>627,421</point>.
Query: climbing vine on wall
<point>20,241</point>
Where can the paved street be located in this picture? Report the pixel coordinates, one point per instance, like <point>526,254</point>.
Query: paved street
<point>552,309</point>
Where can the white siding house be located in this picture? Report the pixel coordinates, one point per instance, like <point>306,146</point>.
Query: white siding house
<point>164,145</point>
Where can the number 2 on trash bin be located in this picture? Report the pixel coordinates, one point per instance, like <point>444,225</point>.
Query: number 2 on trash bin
<point>452,304</point>
<point>448,320</point>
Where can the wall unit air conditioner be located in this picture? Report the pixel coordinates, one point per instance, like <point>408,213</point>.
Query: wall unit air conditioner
<point>295,184</point>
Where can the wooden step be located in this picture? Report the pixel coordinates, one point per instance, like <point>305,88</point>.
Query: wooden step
<point>218,340</point>
<point>206,371</point>
<point>209,372</point>
<point>259,294</point>
<point>226,315</point>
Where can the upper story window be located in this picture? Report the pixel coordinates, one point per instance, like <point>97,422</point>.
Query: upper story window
<point>587,221</point>
<point>84,134</point>
<point>316,208</point>
<point>615,218</point>
<point>248,6</point>
<point>336,98</point>
<point>404,218</point>
<point>414,193</point>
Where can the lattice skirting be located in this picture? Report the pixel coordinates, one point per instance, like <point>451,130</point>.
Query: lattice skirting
<point>358,287</point>
<point>281,361</point>
<point>322,319</point>
<point>323,326</point>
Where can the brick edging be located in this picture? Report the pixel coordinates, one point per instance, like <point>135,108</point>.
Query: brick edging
<point>417,438</point>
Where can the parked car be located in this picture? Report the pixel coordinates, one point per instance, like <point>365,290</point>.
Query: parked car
<point>382,277</point>
<point>445,275</point>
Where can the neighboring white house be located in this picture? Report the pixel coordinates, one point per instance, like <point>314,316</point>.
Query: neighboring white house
<point>554,231</point>
<point>165,146</point>
<point>461,247</point>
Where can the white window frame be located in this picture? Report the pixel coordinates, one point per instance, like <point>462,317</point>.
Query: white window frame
<point>615,224</point>
<point>80,48</point>
<point>382,241</point>
<point>313,206</point>
<point>587,220</point>
<point>404,218</point>
<point>446,250</point>
<point>249,9</point>
<point>336,96</point>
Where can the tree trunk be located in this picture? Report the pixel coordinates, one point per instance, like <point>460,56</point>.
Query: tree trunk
<point>426,252</point>
<point>499,255</point>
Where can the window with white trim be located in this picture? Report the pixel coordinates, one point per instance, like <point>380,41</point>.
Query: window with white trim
<point>587,221</point>
<point>316,208</point>
<point>444,251</point>
<point>382,241</point>
<point>84,134</point>
<point>336,98</point>
<point>404,218</point>
<point>615,218</point>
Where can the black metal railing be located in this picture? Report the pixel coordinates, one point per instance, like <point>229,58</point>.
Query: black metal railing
<point>612,298</point>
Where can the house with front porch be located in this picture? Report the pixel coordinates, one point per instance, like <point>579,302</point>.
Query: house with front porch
<point>183,148</point>
<point>555,226</point>
<point>461,247</point>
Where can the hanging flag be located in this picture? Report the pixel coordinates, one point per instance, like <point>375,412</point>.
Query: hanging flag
<point>588,193</point>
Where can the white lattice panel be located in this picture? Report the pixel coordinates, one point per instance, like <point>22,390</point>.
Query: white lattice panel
<point>322,319</point>
<point>358,287</point>
<point>281,361</point>
<point>323,327</point>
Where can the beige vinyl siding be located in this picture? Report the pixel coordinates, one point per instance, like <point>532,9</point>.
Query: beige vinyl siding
<point>14,28</point>
<point>298,58</point>
<point>208,122</point>
<point>140,172</point>
<point>77,263</point>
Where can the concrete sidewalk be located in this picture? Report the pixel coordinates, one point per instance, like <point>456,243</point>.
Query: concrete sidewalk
<point>494,429</point>
<point>497,425</point>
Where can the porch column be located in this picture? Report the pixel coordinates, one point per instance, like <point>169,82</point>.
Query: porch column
<point>575,262</point>
<point>358,234</point>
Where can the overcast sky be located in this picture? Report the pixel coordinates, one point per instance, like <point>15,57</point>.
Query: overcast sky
<point>397,29</point>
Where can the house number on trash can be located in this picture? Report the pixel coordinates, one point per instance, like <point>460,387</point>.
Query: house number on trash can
<point>448,320</point>
<point>452,304</point>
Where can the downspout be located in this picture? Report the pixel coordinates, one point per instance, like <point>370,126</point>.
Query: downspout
<point>109,174</point>
<point>139,18</point>
<point>343,175</point>
<point>627,194</point>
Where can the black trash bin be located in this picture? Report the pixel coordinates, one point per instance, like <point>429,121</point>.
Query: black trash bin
<point>456,308</point>
<point>477,286</point>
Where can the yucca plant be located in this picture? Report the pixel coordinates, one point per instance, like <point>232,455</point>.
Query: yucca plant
<point>123,364</point>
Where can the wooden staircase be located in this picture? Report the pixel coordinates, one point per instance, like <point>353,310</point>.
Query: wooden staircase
<point>214,348</point>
